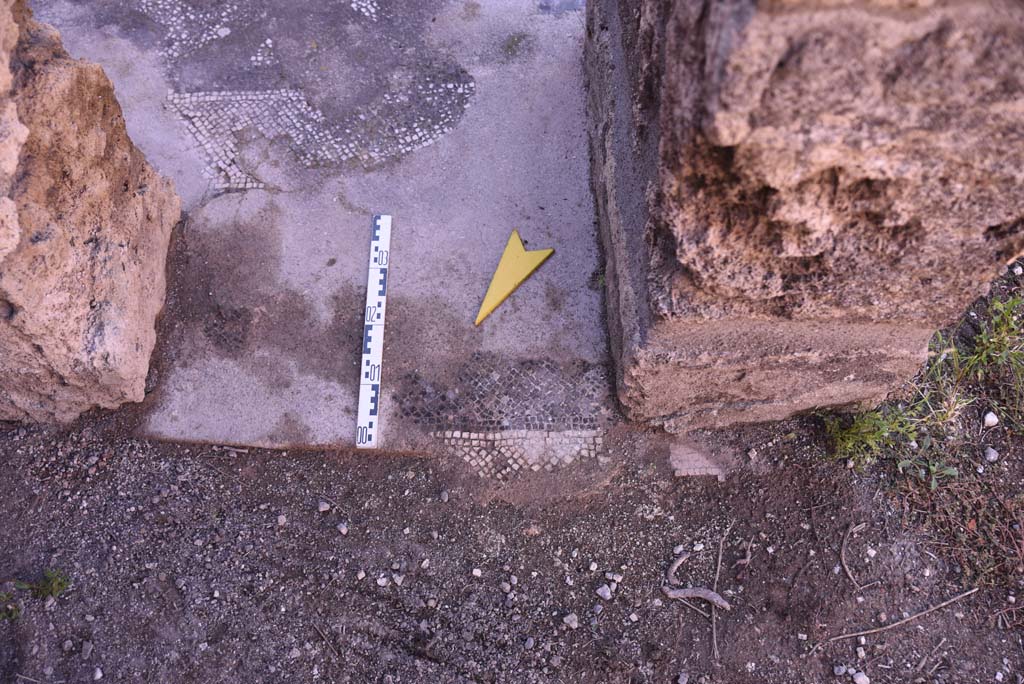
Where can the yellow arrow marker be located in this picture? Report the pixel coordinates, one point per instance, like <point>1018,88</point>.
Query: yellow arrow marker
<point>515,266</point>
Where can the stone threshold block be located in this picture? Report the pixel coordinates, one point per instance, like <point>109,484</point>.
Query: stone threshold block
<point>793,196</point>
<point>85,224</point>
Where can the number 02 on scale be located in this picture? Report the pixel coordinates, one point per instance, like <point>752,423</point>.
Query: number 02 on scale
<point>368,417</point>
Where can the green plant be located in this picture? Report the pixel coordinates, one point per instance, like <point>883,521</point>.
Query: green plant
<point>926,471</point>
<point>922,467</point>
<point>941,395</point>
<point>54,583</point>
<point>999,347</point>
<point>863,437</point>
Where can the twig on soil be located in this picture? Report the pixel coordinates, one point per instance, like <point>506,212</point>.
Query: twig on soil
<point>851,529</point>
<point>718,572</point>
<point>326,640</point>
<point>695,608</point>
<point>329,500</point>
<point>670,576</point>
<point>898,623</point>
<point>712,597</point>
<point>926,658</point>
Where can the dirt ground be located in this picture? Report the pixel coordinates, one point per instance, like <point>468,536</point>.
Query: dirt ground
<point>200,564</point>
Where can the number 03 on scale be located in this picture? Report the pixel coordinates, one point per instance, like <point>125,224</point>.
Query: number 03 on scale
<point>368,418</point>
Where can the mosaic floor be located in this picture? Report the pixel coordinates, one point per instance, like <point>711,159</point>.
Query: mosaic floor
<point>285,125</point>
<point>371,136</point>
<point>505,417</point>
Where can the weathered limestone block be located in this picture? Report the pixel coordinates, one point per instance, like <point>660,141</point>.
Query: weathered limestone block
<point>84,230</point>
<point>793,195</point>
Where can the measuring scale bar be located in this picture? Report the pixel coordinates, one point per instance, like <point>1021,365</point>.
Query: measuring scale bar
<point>368,416</point>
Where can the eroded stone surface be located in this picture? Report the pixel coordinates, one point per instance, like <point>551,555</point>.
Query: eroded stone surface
<point>84,230</point>
<point>794,195</point>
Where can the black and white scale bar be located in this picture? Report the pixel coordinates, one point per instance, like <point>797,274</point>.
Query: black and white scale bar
<point>368,418</point>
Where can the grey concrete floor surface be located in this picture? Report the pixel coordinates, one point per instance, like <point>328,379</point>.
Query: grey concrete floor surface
<point>285,126</point>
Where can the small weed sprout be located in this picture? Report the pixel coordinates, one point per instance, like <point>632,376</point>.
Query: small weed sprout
<point>926,469</point>
<point>54,583</point>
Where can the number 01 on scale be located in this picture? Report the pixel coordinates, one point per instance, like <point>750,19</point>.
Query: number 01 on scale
<point>368,417</point>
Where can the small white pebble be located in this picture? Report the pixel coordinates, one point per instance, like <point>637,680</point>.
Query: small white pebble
<point>991,455</point>
<point>383,581</point>
<point>633,617</point>
<point>698,546</point>
<point>593,566</point>
<point>323,507</point>
<point>861,678</point>
<point>282,520</point>
<point>343,528</point>
<point>97,675</point>
<point>425,564</point>
<point>991,419</point>
<point>360,575</point>
<point>872,553</point>
<point>571,620</point>
<point>605,592</point>
<point>477,572</point>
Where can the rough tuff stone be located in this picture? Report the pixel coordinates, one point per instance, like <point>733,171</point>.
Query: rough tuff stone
<point>84,230</point>
<point>793,195</point>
